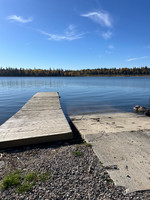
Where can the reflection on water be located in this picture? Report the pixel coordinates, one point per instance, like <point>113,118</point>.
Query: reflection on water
<point>28,82</point>
<point>78,94</point>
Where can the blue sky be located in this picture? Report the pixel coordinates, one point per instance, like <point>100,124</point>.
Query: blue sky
<point>74,34</point>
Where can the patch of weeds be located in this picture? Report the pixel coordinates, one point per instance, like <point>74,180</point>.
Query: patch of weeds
<point>25,187</point>
<point>101,163</point>
<point>44,176</point>
<point>23,182</point>
<point>11,180</point>
<point>31,176</point>
<point>88,144</point>
<point>28,181</point>
<point>77,153</point>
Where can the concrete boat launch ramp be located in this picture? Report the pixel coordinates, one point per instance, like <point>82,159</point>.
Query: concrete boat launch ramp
<point>122,143</point>
<point>40,120</point>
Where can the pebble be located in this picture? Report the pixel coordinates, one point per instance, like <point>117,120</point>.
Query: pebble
<point>2,164</point>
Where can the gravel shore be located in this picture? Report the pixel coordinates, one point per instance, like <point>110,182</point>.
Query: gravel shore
<point>76,173</point>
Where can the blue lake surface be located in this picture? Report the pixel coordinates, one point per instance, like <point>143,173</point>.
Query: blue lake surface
<point>79,95</point>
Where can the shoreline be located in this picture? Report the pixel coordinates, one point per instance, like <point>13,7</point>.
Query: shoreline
<point>83,76</point>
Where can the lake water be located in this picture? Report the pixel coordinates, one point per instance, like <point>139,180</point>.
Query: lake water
<point>78,94</point>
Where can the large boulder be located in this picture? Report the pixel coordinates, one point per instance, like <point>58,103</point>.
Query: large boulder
<point>136,108</point>
<point>141,109</point>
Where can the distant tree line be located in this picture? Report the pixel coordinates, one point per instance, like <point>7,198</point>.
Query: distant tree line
<point>143,71</point>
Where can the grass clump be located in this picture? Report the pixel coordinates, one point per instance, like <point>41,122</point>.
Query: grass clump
<point>88,144</point>
<point>31,176</point>
<point>23,182</point>
<point>101,163</point>
<point>44,176</point>
<point>25,187</point>
<point>11,180</point>
<point>77,153</point>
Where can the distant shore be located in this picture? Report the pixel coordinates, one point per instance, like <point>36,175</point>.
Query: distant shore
<point>143,71</point>
<point>86,76</point>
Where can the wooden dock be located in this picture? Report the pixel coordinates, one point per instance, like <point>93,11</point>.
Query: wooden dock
<point>40,120</point>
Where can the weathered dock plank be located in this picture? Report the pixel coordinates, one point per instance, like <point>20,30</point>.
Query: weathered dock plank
<point>122,142</point>
<point>40,120</point>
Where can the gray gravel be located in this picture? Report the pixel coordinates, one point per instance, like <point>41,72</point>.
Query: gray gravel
<point>73,177</point>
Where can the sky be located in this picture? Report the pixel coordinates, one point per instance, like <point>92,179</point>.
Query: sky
<point>74,34</point>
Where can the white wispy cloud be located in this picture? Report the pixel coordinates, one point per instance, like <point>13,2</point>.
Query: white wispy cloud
<point>15,18</point>
<point>102,17</point>
<point>107,35</point>
<point>137,58</point>
<point>69,34</point>
<point>111,47</point>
